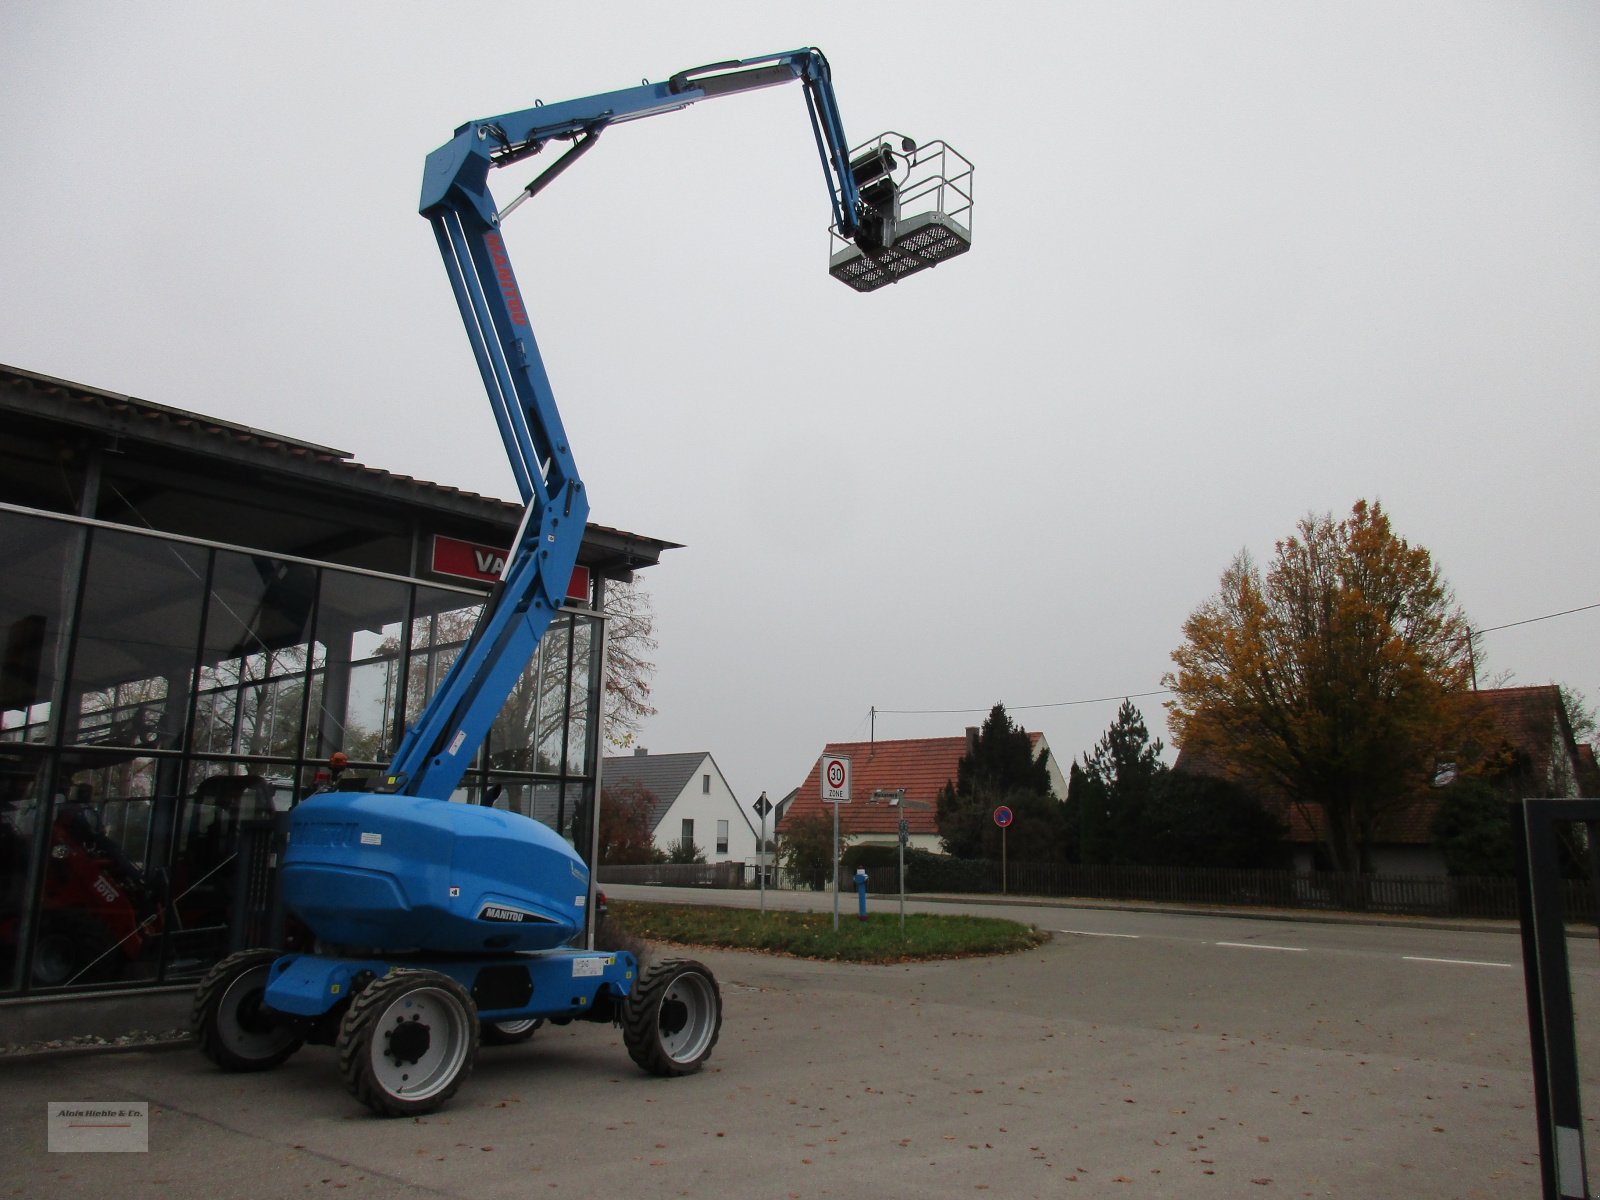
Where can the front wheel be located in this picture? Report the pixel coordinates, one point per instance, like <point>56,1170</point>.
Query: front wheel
<point>227,1019</point>
<point>408,1042</point>
<point>672,1018</point>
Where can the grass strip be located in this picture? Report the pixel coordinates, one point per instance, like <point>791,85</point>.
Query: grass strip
<point>878,939</point>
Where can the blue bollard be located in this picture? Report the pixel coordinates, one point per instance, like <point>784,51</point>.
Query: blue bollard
<point>861,892</point>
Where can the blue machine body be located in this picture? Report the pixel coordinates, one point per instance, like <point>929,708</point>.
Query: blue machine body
<point>405,872</point>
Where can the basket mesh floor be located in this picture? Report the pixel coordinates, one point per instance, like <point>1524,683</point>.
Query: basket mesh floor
<point>924,241</point>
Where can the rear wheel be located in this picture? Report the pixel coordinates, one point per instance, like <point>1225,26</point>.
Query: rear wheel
<point>673,1017</point>
<point>228,1020</point>
<point>408,1042</point>
<point>508,1033</point>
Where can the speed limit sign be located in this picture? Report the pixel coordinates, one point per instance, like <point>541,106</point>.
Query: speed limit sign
<point>835,779</point>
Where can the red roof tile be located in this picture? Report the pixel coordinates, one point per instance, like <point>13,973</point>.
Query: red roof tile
<point>921,766</point>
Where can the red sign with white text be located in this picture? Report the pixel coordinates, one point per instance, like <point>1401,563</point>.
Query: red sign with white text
<point>469,560</point>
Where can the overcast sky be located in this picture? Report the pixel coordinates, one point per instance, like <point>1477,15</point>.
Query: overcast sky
<point>1233,262</point>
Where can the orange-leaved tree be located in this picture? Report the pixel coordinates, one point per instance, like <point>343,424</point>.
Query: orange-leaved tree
<point>1334,678</point>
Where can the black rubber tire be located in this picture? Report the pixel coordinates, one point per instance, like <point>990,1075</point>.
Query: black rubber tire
<point>226,1017</point>
<point>507,1033</point>
<point>441,1031</point>
<point>72,947</point>
<point>673,1017</point>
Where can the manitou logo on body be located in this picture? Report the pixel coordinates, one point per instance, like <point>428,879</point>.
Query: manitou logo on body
<point>495,912</point>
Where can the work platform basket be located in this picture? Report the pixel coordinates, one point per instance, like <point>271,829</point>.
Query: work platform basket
<point>926,200</point>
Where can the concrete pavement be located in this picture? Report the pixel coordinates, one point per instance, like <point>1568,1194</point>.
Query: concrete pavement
<point>1094,1066</point>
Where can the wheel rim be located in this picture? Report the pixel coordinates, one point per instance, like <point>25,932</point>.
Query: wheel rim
<point>53,960</point>
<point>244,1028</point>
<point>687,1019</point>
<point>516,1028</point>
<point>419,1043</point>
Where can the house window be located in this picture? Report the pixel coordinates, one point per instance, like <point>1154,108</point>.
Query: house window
<point>705,784</point>
<point>688,833</point>
<point>722,837</point>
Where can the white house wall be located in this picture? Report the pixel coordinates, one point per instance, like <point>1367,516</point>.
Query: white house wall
<point>705,809</point>
<point>1058,780</point>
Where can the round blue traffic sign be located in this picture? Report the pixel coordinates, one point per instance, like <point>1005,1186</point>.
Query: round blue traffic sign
<point>1002,816</point>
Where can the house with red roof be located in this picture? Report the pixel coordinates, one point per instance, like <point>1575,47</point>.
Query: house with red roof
<point>1533,726</point>
<point>895,780</point>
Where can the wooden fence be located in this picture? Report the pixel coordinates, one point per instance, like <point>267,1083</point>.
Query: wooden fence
<point>703,875</point>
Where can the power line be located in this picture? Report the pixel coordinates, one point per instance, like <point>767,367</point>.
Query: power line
<point>1531,620</point>
<point>937,712</point>
<point>922,712</point>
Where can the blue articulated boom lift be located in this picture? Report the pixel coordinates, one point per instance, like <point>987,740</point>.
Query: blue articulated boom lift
<point>437,924</point>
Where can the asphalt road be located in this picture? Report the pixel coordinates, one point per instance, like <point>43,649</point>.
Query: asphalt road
<point>1136,1054</point>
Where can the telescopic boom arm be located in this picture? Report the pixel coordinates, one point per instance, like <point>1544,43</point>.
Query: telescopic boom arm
<point>439,746</point>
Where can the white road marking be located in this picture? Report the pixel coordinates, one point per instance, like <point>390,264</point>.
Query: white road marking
<point>1089,933</point>
<point>1460,962</point>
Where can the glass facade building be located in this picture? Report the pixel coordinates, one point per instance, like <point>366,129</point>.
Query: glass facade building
<point>164,693</point>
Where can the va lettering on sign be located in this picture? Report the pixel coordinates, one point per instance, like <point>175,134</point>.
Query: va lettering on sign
<point>473,560</point>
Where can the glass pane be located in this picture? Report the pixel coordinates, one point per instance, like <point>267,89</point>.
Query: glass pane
<point>133,661</point>
<point>21,786</point>
<point>558,805</point>
<point>100,913</point>
<point>443,623</point>
<point>586,636</point>
<point>224,813</point>
<point>443,618</point>
<point>120,792</point>
<point>32,607</point>
<point>370,709</point>
<point>355,689</point>
<point>544,725</point>
<point>252,677</point>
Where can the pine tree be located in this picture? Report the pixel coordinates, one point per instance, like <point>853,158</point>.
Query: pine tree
<point>1000,768</point>
<point>1123,772</point>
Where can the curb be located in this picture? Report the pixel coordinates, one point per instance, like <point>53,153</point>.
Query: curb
<point>37,1050</point>
<point>1302,916</point>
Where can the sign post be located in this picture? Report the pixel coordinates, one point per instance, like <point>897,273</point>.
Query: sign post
<point>763,806</point>
<point>1003,818</point>
<point>895,797</point>
<point>835,784</point>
